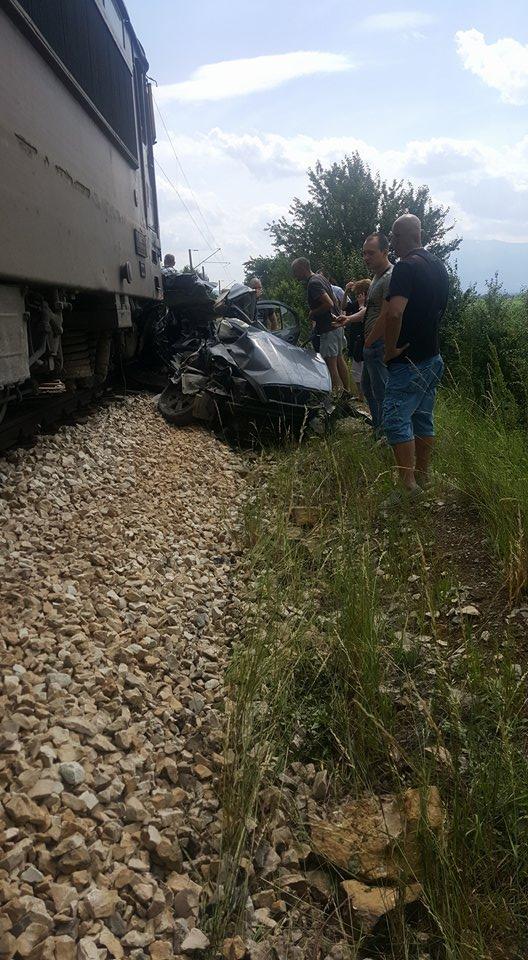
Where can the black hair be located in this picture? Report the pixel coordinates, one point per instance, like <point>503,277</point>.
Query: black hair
<point>383,240</point>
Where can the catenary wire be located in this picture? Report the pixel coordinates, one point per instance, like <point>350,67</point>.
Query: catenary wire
<point>184,175</point>
<point>178,194</point>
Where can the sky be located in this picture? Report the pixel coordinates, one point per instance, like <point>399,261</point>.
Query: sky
<point>249,96</point>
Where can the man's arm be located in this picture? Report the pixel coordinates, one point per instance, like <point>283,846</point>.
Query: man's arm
<point>393,325</point>
<point>324,304</point>
<point>345,319</point>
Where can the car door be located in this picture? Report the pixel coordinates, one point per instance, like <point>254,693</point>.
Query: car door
<point>279,319</point>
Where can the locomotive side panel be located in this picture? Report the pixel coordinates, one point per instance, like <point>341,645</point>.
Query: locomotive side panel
<point>75,211</point>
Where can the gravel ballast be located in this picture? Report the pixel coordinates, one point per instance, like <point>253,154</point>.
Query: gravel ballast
<point>118,566</point>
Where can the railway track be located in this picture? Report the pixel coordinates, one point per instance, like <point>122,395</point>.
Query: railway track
<point>42,414</point>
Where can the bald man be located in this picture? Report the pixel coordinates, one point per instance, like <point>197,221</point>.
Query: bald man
<point>417,299</point>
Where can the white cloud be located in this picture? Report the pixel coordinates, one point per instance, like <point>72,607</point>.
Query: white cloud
<point>502,65</point>
<point>235,78</point>
<point>401,21</point>
<point>243,181</point>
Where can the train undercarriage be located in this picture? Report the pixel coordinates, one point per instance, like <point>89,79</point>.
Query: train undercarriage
<point>57,344</point>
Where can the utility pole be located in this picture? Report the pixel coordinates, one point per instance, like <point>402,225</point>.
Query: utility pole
<point>190,261</point>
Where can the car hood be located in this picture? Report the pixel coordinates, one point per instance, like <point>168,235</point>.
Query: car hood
<point>270,361</point>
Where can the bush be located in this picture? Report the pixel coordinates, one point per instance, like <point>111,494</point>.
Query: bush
<point>486,349</point>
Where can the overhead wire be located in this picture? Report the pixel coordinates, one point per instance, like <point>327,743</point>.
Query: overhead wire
<point>184,204</point>
<point>182,200</point>
<point>184,175</point>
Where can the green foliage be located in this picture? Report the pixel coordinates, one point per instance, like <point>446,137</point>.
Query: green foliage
<point>488,461</point>
<point>486,348</point>
<point>346,203</point>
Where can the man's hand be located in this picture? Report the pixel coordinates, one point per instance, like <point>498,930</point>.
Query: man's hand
<point>394,352</point>
<point>339,321</point>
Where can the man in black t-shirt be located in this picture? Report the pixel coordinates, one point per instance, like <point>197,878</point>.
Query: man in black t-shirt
<point>325,313</point>
<point>417,299</point>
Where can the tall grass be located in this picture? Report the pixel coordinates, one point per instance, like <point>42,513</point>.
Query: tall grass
<point>488,461</point>
<point>344,664</point>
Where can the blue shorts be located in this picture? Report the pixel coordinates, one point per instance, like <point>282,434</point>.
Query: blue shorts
<point>410,394</point>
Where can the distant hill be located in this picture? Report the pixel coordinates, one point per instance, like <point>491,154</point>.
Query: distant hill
<point>478,260</point>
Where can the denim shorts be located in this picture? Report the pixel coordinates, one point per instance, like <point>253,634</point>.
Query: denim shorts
<point>410,394</point>
<point>332,343</point>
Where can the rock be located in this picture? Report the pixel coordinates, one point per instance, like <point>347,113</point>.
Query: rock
<point>136,939</point>
<point>203,772</point>
<point>16,855</point>
<point>60,680</point>
<point>33,934</point>
<point>320,785</point>
<point>88,800</point>
<point>87,949</point>
<point>65,948</point>
<point>169,854</point>
<point>263,918</point>
<point>186,895</point>
<point>234,948</point>
<point>44,789</point>
<point>195,942</point>
<point>7,945</point>
<point>112,944</point>
<point>470,611</point>
<point>161,950</point>
<point>370,904</point>
<point>32,875</point>
<point>117,611</point>
<point>102,903</point>
<point>72,773</point>
<point>22,810</point>
<point>376,838</point>
<point>151,837</point>
<point>135,811</point>
<point>63,896</point>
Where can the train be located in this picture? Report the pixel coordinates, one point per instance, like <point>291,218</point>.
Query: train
<point>80,253</point>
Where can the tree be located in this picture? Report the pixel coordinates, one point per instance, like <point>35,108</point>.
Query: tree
<point>346,203</point>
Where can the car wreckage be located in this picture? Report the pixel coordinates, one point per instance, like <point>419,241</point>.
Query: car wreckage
<point>235,361</point>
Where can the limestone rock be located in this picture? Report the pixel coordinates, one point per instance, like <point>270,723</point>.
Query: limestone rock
<point>72,773</point>
<point>195,942</point>
<point>234,948</point>
<point>102,903</point>
<point>87,949</point>
<point>369,904</point>
<point>375,838</point>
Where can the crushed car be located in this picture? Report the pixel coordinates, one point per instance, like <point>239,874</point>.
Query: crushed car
<point>236,361</point>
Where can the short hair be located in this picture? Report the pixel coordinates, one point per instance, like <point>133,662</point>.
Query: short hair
<point>362,286</point>
<point>302,262</point>
<point>254,282</point>
<point>169,260</point>
<point>383,240</point>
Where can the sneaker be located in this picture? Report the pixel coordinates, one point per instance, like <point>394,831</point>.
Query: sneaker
<point>401,497</point>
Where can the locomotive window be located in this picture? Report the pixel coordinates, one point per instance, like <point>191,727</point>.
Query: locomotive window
<point>78,34</point>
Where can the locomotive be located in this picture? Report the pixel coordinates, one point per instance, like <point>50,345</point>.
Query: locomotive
<point>80,255</point>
